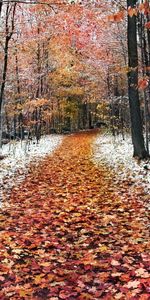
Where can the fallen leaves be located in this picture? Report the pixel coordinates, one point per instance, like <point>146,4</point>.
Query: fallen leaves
<point>142,273</point>
<point>115,263</point>
<point>68,234</point>
<point>133,284</point>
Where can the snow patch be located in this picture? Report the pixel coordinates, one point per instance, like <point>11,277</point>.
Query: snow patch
<point>18,156</point>
<point>118,155</point>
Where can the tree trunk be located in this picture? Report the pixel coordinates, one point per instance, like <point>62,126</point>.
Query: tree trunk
<point>1,3</point>
<point>3,84</point>
<point>135,113</point>
<point>8,32</point>
<point>145,72</point>
<point>20,115</point>
<point>4,71</point>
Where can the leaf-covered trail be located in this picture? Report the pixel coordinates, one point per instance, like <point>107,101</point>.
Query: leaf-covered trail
<point>67,234</point>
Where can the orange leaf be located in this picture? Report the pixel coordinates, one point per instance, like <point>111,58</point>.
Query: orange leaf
<point>143,83</point>
<point>119,16</point>
<point>111,18</point>
<point>132,11</point>
<point>85,296</point>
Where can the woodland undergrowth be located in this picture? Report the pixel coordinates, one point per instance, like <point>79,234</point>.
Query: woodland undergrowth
<point>70,232</point>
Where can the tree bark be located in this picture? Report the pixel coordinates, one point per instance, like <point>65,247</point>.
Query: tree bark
<point>135,112</point>
<point>9,33</point>
<point>145,72</point>
<point>1,3</point>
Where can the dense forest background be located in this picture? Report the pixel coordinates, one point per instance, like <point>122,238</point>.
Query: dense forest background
<point>68,65</point>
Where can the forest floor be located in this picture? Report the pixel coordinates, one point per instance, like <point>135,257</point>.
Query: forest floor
<point>71,231</point>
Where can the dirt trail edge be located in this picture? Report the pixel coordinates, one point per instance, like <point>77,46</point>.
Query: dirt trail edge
<point>67,234</point>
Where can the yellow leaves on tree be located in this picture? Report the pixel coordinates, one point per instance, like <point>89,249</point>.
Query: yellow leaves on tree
<point>64,76</point>
<point>31,105</point>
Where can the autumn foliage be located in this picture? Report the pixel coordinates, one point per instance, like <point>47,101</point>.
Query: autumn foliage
<point>73,54</point>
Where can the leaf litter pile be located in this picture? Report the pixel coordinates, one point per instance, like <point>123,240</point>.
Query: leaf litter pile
<point>68,233</point>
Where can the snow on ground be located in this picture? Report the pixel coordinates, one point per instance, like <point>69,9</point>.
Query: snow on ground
<point>118,155</point>
<point>18,155</point>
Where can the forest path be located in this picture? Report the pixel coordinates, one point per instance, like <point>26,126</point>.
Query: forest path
<point>68,234</point>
